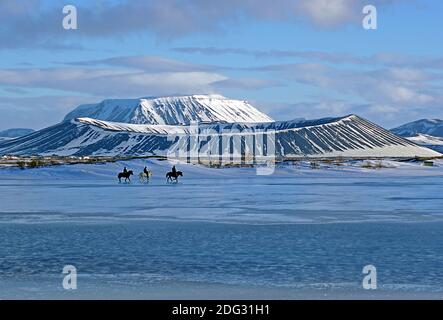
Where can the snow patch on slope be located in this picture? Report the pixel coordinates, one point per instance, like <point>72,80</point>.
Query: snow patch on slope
<point>424,139</point>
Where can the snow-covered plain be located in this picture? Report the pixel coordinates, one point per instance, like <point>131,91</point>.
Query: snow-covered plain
<point>223,233</point>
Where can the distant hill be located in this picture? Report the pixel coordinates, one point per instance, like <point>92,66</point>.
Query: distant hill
<point>430,127</point>
<point>425,132</point>
<point>15,133</point>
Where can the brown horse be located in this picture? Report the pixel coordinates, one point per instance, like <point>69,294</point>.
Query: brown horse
<point>125,175</point>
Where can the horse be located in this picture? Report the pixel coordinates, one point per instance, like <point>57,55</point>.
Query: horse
<point>144,176</point>
<point>171,177</point>
<point>125,175</point>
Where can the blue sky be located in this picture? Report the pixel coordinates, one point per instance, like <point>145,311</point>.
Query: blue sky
<point>290,58</point>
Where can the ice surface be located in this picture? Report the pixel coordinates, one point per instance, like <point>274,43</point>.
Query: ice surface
<point>223,233</point>
<point>293,194</point>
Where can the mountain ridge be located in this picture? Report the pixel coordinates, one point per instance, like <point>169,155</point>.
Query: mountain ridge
<point>349,136</point>
<point>154,126</point>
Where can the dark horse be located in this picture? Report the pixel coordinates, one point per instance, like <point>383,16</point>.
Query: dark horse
<point>171,177</point>
<point>125,175</point>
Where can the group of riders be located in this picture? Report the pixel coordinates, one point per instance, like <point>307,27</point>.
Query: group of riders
<point>146,174</point>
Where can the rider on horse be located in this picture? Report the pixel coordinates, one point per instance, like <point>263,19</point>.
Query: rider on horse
<point>125,174</point>
<point>173,175</point>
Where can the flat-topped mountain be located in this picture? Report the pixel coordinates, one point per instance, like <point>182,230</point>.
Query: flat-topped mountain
<point>179,110</point>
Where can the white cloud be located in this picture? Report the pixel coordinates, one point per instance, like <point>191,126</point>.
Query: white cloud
<point>36,23</point>
<point>147,64</point>
<point>406,87</point>
<point>111,82</point>
<point>329,12</point>
<point>403,95</point>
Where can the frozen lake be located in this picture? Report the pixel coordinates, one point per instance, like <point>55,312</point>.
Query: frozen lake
<point>222,233</point>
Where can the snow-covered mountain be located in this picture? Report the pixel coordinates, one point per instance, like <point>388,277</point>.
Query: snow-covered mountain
<point>179,110</point>
<point>349,136</point>
<point>425,132</point>
<point>430,127</point>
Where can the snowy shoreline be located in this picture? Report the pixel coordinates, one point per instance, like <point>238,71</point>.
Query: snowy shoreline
<point>105,168</point>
